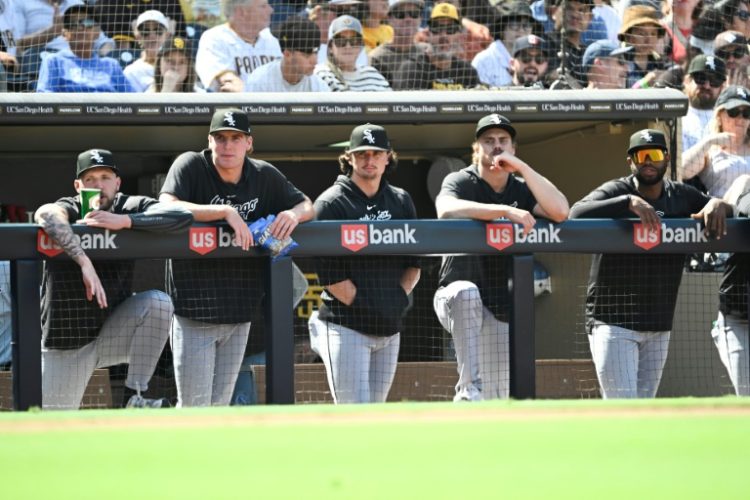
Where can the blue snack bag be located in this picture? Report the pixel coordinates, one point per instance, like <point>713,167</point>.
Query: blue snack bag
<point>262,236</point>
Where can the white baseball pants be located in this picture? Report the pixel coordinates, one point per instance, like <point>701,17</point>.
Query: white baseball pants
<point>730,336</point>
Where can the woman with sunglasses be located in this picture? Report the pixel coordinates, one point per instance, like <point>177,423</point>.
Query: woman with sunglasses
<point>341,72</point>
<point>722,155</point>
<point>736,15</point>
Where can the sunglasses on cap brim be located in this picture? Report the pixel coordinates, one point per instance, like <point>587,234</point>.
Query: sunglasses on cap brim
<point>642,155</point>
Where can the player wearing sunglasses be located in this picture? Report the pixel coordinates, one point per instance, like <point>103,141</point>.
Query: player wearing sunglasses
<point>631,298</point>
<point>440,68</point>
<point>721,156</point>
<point>704,81</point>
<point>404,16</point>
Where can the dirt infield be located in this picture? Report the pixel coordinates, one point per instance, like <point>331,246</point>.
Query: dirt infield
<point>186,419</point>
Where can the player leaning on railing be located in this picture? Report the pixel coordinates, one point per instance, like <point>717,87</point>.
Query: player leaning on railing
<point>90,316</point>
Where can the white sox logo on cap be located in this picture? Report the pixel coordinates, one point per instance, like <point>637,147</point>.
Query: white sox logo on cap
<point>229,119</point>
<point>96,156</point>
<point>496,119</point>
<point>646,136</point>
<point>367,134</point>
<point>741,92</point>
<point>711,63</point>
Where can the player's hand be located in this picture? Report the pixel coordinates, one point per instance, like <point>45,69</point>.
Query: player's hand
<point>520,216</point>
<point>283,225</point>
<point>649,218</point>
<point>106,220</point>
<point>714,217</point>
<point>242,235</point>
<point>94,288</point>
<point>507,162</point>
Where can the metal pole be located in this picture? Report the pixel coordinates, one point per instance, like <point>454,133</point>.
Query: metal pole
<point>27,334</point>
<point>279,333</point>
<point>522,358</point>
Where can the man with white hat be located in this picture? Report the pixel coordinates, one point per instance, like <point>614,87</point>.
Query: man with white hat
<point>151,31</point>
<point>405,17</point>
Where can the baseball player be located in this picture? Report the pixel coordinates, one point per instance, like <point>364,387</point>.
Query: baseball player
<point>472,299</point>
<point>357,329</point>
<point>730,330</point>
<point>631,298</point>
<point>229,53</point>
<point>90,316</point>
<point>214,299</point>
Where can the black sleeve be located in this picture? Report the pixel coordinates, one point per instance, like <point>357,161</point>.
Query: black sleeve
<point>452,186</point>
<point>409,76</point>
<point>609,200</point>
<point>181,179</point>
<point>162,218</point>
<point>72,207</point>
<point>330,270</point>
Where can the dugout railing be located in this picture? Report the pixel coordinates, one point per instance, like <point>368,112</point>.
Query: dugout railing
<point>25,246</point>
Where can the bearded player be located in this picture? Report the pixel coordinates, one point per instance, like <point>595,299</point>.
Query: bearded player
<point>631,299</point>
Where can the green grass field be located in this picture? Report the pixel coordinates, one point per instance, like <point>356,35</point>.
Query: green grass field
<point>685,448</point>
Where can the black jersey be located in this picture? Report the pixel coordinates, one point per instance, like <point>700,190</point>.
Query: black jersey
<point>638,292</point>
<point>380,302</point>
<point>69,321</point>
<point>733,287</point>
<point>489,273</point>
<point>223,291</point>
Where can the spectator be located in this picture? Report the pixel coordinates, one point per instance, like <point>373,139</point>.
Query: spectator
<point>441,69</point>
<point>631,299</point>
<point>215,299</point>
<point>117,18</point>
<point>707,26</point>
<point>174,70</point>
<point>680,14</point>
<point>356,330</point>
<point>229,53</point>
<point>375,29</point>
<point>8,59</point>
<point>151,31</point>
<point>493,63</point>
<point>642,31</point>
<point>722,154</point>
<point>575,20</point>
<point>324,14</point>
<point>529,63</point>
<point>80,69</point>
<point>340,72</point>
<point>603,9</point>
<point>299,39</point>
<point>472,301</point>
<point>705,80</point>
<point>404,17</point>
<point>736,15</point>
<point>39,24</point>
<point>545,12</point>
<point>90,316</point>
<point>732,47</point>
<point>605,66</point>
<point>475,34</point>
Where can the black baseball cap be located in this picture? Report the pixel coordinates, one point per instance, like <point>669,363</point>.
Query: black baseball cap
<point>647,139</point>
<point>230,119</point>
<point>95,158</point>
<point>734,96</point>
<point>298,34</point>
<point>494,121</point>
<point>703,63</point>
<point>176,44</point>
<point>369,137</point>
<point>528,42</point>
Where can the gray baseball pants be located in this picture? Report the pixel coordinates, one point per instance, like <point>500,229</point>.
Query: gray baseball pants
<point>207,359</point>
<point>481,340</point>
<point>629,364</point>
<point>135,333</point>
<point>730,336</point>
<point>360,368</point>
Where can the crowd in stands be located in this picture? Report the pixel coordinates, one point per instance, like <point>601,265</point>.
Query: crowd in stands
<point>364,45</point>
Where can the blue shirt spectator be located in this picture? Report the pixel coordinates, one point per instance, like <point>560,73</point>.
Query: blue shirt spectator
<point>597,29</point>
<point>66,72</point>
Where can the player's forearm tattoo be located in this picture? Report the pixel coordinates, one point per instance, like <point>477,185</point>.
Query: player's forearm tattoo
<point>60,231</point>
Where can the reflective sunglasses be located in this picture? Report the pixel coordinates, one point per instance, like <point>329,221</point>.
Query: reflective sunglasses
<point>527,58</point>
<point>448,29</point>
<point>151,31</point>
<point>737,53</point>
<point>743,14</point>
<point>353,41</point>
<point>641,155</point>
<point>403,14</point>
<point>735,112</point>
<point>713,79</point>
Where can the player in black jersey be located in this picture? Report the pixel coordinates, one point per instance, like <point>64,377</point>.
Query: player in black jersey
<point>631,298</point>
<point>90,317</point>
<point>214,299</point>
<point>472,299</point>
<point>357,328</point>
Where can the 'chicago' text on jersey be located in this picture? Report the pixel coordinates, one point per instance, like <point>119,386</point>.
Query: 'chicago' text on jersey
<point>244,209</point>
<point>381,215</point>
